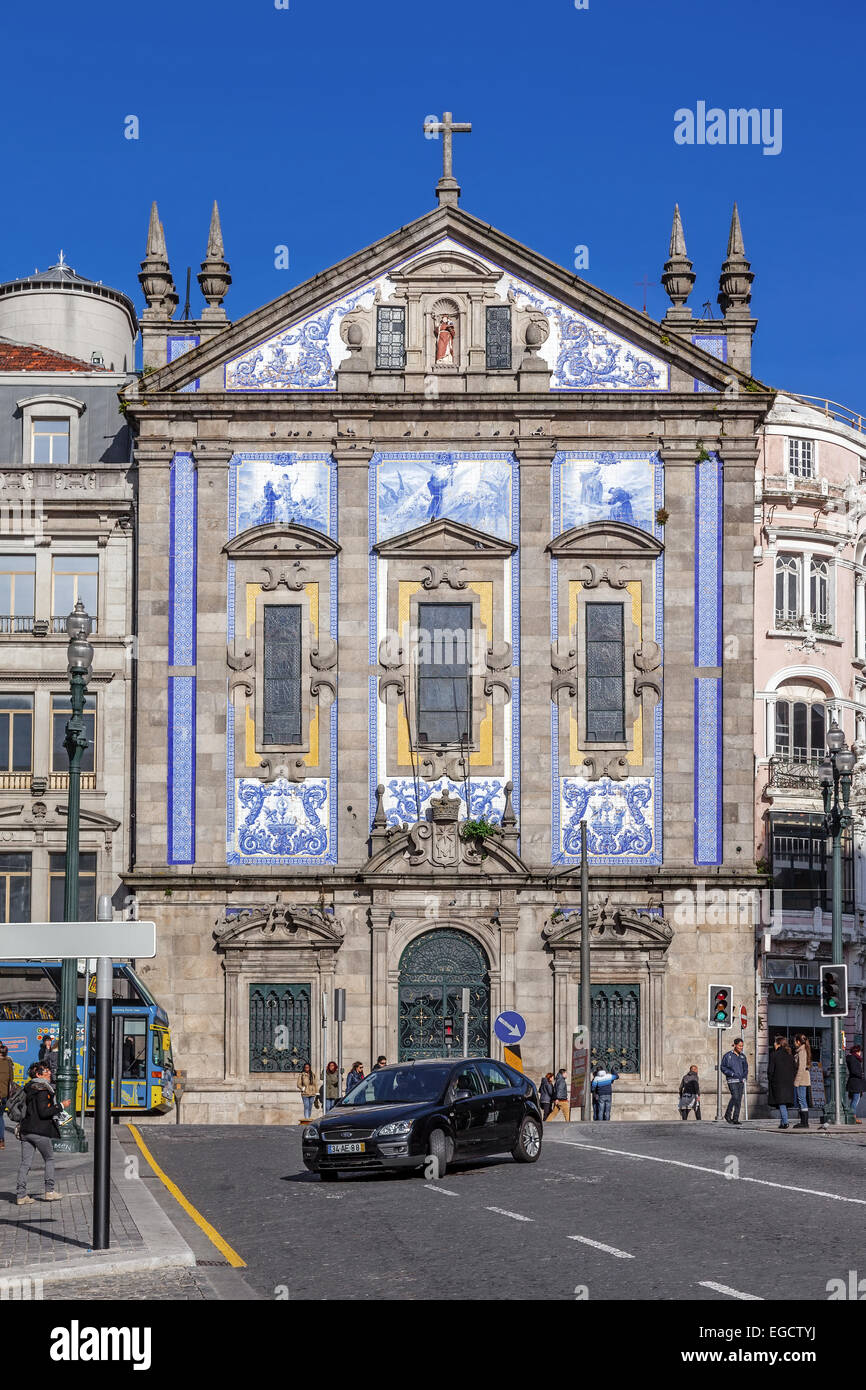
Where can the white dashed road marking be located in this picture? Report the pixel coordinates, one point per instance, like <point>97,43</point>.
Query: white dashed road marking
<point>515,1216</point>
<point>732,1293</point>
<point>431,1187</point>
<point>716,1172</point>
<point>609,1249</point>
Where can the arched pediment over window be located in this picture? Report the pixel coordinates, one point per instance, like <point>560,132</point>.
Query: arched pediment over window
<point>278,540</point>
<point>613,928</point>
<point>279,924</point>
<point>605,539</point>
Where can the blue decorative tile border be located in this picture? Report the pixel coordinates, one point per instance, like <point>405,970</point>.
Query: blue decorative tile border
<point>708,561</point>
<point>281,794</point>
<point>181,770</point>
<point>626,818</point>
<point>716,344</point>
<point>177,347</point>
<point>708,770</point>
<point>373,615</point>
<point>182,562</point>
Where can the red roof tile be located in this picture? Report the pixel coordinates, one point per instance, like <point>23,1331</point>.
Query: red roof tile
<point>29,357</point>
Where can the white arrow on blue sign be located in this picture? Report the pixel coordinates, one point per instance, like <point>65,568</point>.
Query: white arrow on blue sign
<point>510,1027</point>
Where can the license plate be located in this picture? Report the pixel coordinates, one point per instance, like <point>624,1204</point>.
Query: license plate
<point>345,1148</point>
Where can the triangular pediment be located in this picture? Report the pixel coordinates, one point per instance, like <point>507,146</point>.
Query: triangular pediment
<point>281,542</point>
<point>298,343</point>
<point>609,539</point>
<point>443,538</point>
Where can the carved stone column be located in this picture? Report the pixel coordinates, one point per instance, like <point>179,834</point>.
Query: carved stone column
<point>379,930</point>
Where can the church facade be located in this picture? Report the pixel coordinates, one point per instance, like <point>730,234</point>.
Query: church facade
<point>440,554</point>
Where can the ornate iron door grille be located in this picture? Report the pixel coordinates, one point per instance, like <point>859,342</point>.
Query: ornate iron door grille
<point>279,1027</point>
<point>615,1027</point>
<point>434,970</point>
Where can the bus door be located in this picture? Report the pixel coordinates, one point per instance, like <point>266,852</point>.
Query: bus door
<point>128,1061</point>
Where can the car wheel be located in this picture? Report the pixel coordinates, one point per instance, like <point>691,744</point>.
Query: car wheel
<point>329,1175</point>
<point>527,1146</point>
<point>441,1148</point>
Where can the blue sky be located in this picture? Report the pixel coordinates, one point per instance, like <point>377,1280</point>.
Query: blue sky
<point>305,123</point>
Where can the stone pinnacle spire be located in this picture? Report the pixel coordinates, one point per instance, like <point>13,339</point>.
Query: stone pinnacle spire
<point>678,277</point>
<point>214,277</point>
<point>155,274</point>
<point>735,281</point>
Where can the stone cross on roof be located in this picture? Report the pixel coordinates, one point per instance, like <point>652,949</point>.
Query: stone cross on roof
<point>447,189</point>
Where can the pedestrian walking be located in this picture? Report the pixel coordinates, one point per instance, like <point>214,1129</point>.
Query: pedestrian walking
<point>802,1076</point>
<point>36,1131</point>
<point>380,1063</point>
<point>602,1092</point>
<point>855,1087</point>
<point>308,1088</point>
<point>6,1078</point>
<point>560,1094</point>
<point>735,1070</point>
<point>690,1094</point>
<point>355,1077</point>
<point>545,1094</point>
<point>781,1070</point>
<point>331,1083</point>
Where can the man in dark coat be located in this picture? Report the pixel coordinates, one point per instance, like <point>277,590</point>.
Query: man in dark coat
<point>781,1070</point>
<point>856,1086</point>
<point>37,1129</point>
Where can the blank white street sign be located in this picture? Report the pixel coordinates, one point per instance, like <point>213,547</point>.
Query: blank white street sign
<point>70,940</point>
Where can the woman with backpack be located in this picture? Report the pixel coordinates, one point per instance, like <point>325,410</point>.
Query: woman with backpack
<point>690,1094</point>
<point>545,1094</point>
<point>36,1129</point>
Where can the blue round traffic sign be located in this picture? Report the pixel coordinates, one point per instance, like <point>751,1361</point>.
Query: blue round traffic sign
<point>510,1027</point>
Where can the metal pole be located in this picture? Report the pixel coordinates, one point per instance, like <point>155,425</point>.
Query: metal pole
<point>80,654</point>
<point>102,1105</point>
<point>324,1051</point>
<point>465,1011</point>
<point>719,1115</point>
<point>836,952</point>
<point>585,966</point>
<point>340,1053</point>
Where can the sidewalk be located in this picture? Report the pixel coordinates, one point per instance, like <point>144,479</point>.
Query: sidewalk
<point>52,1240</point>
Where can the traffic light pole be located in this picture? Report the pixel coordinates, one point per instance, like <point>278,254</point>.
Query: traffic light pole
<point>836,953</point>
<point>835,776</point>
<point>719,1115</point>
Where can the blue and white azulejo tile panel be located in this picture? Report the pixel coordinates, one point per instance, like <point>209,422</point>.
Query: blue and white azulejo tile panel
<point>622,820</point>
<point>402,798</point>
<point>268,489</point>
<point>474,488</point>
<point>708,770</point>
<point>717,345</point>
<point>606,485</point>
<point>281,822</point>
<point>181,770</point>
<point>178,347</point>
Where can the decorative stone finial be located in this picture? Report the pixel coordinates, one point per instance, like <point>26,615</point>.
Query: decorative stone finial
<point>215,278</point>
<point>155,274</point>
<point>678,277</point>
<point>735,281</point>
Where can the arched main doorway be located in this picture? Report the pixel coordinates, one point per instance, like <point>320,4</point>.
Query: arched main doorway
<point>434,970</point>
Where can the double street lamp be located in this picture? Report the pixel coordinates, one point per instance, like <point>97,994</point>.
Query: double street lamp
<point>79,654</point>
<point>835,774</point>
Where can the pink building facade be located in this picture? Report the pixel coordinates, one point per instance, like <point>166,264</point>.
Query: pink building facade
<point>810,667</point>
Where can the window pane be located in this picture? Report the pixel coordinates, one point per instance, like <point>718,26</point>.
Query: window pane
<point>391,338</point>
<point>22,742</point>
<point>499,337</point>
<point>41,448</point>
<point>86,887</point>
<point>444,689</point>
<point>605,673</point>
<point>282,683</point>
<point>62,709</point>
<point>817,730</point>
<point>801,750</point>
<point>783,729</point>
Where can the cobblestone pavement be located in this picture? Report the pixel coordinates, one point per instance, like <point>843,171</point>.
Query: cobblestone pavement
<point>49,1232</point>
<point>166,1285</point>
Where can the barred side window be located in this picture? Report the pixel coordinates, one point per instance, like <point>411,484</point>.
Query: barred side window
<point>498,337</point>
<point>282,674</point>
<point>391,337</point>
<point>605,673</point>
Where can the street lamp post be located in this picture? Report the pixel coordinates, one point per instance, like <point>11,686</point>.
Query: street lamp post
<point>835,774</point>
<point>79,654</point>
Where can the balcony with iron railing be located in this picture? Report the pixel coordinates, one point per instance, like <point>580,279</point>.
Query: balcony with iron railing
<point>795,774</point>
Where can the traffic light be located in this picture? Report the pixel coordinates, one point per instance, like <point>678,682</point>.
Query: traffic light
<point>834,991</point>
<point>720,1011</point>
<point>449,1032</point>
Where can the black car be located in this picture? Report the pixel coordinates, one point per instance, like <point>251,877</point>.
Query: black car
<point>406,1115</point>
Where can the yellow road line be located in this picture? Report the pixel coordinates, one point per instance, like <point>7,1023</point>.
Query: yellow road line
<point>213,1235</point>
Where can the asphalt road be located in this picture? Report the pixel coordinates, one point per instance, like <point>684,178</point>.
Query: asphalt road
<point>610,1211</point>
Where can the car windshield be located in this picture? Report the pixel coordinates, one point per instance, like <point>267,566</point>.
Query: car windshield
<point>400,1086</point>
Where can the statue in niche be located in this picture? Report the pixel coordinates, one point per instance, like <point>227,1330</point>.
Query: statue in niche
<point>446,331</point>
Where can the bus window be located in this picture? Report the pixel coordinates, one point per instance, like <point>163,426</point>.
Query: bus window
<point>158,1055</point>
<point>134,1055</point>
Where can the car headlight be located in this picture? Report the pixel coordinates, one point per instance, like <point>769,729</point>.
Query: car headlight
<point>311,1133</point>
<point>394,1128</point>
